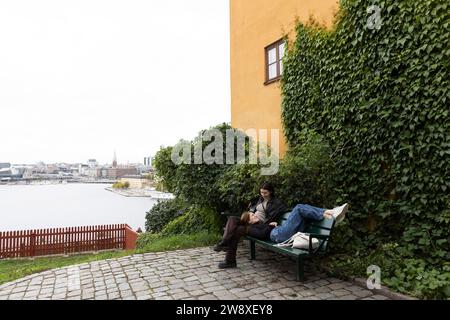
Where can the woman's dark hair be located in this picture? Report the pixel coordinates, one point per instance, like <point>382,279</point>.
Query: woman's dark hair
<point>269,187</point>
<point>245,218</point>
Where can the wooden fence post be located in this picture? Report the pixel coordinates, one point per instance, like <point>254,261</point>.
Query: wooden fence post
<point>32,243</point>
<point>130,238</point>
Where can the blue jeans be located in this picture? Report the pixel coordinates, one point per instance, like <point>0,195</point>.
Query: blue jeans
<point>296,222</point>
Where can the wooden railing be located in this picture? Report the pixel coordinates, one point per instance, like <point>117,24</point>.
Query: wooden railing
<point>42,242</point>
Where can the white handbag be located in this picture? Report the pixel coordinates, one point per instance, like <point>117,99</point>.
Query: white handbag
<point>299,240</point>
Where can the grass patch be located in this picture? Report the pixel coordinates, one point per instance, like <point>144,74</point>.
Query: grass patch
<point>17,268</point>
<point>152,242</point>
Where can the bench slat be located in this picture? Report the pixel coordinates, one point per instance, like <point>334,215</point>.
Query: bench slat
<point>294,252</point>
<point>324,224</point>
<point>288,251</point>
<point>316,230</point>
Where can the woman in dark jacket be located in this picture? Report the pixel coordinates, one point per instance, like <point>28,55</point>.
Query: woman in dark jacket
<point>265,209</point>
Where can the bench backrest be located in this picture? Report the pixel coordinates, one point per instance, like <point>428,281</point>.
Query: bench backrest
<point>323,227</point>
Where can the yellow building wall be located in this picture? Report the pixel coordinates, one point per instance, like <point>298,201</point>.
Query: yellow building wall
<point>255,24</point>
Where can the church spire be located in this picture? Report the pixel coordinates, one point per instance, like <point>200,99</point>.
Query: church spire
<point>114,164</point>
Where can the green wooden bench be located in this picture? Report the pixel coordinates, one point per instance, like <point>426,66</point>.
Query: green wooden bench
<point>320,230</point>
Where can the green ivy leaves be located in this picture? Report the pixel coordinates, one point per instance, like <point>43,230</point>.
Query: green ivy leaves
<point>381,99</point>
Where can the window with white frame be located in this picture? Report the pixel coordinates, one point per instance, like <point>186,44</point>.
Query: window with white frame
<point>274,60</point>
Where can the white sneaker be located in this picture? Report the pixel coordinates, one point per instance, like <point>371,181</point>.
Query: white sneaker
<point>339,212</point>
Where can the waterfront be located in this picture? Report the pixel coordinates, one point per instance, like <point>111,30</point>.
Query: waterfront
<point>64,205</point>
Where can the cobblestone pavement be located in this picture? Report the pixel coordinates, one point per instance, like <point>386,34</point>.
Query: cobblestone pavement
<point>183,274</point>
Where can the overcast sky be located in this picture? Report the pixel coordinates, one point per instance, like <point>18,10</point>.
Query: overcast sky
<point>80,79</point>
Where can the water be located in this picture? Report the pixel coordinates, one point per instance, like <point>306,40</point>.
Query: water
<point>25,207</point>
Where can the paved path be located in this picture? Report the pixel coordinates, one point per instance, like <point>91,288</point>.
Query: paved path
<point>183,274</point>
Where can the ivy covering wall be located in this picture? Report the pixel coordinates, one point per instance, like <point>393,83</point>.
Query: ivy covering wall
<point>376,87</point>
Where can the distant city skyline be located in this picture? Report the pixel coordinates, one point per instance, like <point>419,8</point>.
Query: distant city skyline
<point>110,162</point>
<point>81,79</point>
<point>119,161</point>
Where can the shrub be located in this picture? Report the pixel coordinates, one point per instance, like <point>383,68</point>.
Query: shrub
<point>162,213</point>
<point>195,183</point>
<point>202,184</point>
<point>307,173</point>
<point>238,185</point>
<point>198,182</point>
<point>166,170</point>
<point>146,239</point>
<point>196,219</point>
<point>121,185</point>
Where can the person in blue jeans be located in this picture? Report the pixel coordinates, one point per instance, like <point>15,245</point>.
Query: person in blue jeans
<point>296,220</point>
<point>294,223</point>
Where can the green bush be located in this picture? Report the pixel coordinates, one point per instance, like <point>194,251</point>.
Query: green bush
<point>204,184</point>
<point>198,182</point>
<point>166,170</point>
<point>195,183</point>
<point>147,239</point>
<point>307,173</point>
<point>196,219</point>
<point>238,185</point>
<point>162,213</point>
<point>121,185</point>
